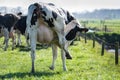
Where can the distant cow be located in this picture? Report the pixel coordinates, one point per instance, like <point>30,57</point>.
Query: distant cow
<point>20,28</point>
<point>7,22</point>
<point>46,23</point>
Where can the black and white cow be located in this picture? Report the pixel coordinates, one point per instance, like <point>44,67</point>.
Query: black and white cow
<point>46,23</point>
<point>20,28</point>
<point>7,22</point>
<point>21,25</point>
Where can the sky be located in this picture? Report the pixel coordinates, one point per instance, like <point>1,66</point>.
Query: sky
<point>71,5</point>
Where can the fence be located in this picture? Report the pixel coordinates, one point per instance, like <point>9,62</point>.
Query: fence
<point>105,28</point>
<point>94,38</point>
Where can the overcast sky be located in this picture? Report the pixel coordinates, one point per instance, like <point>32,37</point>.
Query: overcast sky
<point>71,5</point>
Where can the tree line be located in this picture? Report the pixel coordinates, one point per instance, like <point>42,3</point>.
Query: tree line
<point>99,14</point>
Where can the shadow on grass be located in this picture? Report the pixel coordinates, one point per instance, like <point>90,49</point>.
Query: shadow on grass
<point>24,74</point>
<point>38,47</point>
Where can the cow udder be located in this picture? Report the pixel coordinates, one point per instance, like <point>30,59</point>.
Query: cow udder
<point>44,34</point>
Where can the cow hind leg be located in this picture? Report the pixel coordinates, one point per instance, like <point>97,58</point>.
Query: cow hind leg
<point>6,35</point>
<point>33,59</point>
<point>33,47</point>
<point>13,40</point>
<point>6,44</point>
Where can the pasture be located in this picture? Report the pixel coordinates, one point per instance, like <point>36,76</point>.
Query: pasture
<point>107,29</point>
<point>87,63</point>
<point>113,25</point>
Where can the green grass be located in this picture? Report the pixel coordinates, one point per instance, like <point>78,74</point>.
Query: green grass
<point>87,64</point>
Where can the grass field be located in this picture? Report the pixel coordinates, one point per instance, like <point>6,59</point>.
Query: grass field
<point>111,33</point>
<point>113,25</point>
<point>87,64</point>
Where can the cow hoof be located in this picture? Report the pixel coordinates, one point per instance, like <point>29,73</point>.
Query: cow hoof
<point>51,68</point>
<point>68,56</point>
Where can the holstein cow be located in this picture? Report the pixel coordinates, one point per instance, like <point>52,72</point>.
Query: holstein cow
<point>7,22</point>
<point>47,23</point>
<point>20,28</point>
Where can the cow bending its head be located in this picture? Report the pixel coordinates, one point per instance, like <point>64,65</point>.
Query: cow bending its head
<point>46,18</point>
<point>72,29</point>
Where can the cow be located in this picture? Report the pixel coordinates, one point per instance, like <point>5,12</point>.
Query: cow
<point>47,23</point>
<point>20,28</point>
<point>7,22</point>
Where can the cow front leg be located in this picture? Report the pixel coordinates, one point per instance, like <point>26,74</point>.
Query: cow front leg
<point>67,54</point>
<point>54,52</point>
<point>63,60</point>
<point>63,45</point>
<point>61,36</point>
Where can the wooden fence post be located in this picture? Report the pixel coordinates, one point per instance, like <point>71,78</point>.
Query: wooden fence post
<point>116,52</point>
<point>85,38</point>
<point>103,45</point>
<point>93,39</point>
<point>105,28</point>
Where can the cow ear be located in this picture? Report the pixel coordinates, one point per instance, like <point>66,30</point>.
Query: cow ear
<point>71,35</point>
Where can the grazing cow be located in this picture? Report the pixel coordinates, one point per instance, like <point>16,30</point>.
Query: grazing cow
<point>20,28</point>
<point>7,22</point>
<point>47,23</point>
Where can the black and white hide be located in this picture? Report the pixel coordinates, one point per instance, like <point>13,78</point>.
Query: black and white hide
<point>20,28</point>
<point>7,22</point>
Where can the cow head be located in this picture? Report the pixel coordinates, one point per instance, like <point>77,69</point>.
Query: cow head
<point>75,29</point>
